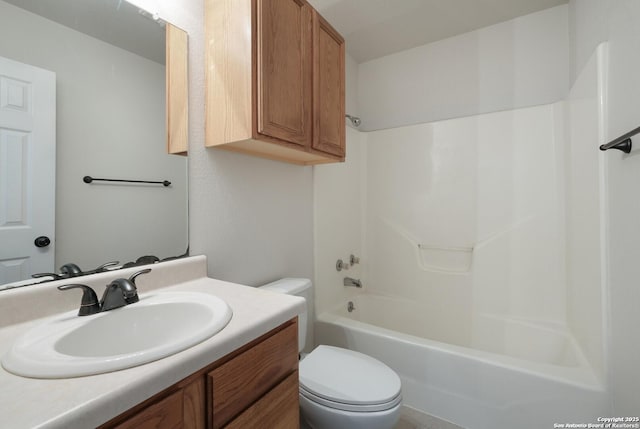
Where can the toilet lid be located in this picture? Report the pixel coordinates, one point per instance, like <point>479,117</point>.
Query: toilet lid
<point>348,377</point>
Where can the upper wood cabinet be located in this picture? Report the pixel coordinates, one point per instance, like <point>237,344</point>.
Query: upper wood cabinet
<point>275,81</point>
<point>284,70</point>
<point>177,81</point>
<point>328,88</point>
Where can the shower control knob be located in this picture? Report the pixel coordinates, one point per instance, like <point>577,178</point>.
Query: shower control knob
<point>42,241</point>
<point>341,265</point>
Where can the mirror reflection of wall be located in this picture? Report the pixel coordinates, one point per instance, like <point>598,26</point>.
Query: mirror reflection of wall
<point>110,123</point>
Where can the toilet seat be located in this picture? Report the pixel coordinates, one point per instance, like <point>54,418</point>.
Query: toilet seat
<point>350,407</point>
<point>348,380</point>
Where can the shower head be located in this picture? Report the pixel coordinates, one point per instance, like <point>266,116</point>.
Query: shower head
<point>355,121</point>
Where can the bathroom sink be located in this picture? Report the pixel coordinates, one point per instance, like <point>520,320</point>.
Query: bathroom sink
<point>159,325</point>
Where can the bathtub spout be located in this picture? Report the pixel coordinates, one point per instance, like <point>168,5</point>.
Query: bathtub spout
<point>348,281</point>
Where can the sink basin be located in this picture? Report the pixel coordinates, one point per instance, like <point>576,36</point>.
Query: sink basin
<point>159,325</point>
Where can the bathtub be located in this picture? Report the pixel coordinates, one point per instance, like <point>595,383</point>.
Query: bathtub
<point>486,372</point>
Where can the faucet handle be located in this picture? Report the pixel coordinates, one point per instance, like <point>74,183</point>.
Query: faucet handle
<point>71,270</point>
<point>89,304</point>
<point>104,266</point>
<point>341,265</point>
<point>40,275</point>
<point>133,277</point>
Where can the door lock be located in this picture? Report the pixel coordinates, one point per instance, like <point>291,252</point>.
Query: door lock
<point>42,241</point>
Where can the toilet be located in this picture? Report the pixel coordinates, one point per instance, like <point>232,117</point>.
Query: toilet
<point>341,388</point>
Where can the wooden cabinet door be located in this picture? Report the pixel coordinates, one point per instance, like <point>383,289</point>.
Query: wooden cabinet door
<point>238,383</point>
<point>279,408</point>
<point>164,414</point>
<point>328,88</point>
<point>183,409</point>
<point>284,70</point>
<point>177,90</point>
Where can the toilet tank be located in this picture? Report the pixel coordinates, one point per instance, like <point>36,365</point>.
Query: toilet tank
<point>297,287</point>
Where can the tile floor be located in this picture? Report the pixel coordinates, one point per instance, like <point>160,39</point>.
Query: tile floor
<point>410,418</point>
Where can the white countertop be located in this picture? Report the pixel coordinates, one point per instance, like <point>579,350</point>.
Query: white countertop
<point>85,402</point>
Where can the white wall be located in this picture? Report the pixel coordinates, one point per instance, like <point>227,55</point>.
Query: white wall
<point>110,123</point>
<point>587,28</point>
<point>391,92</point>
<point>517,63</point>
<point>585,190</point>
<point>624,208</point>
<point>484,184</point>
<point>488,183</point>
<point>351,86</point>
<point>253,218</point>
<point>474,179</point>
<point>617,22</point>
<point>339,223</point>
<point>338,192</point>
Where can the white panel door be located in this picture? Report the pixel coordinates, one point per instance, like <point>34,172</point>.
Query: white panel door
<point>27,169</point>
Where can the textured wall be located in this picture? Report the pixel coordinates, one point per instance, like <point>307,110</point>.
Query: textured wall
<point>253,218</point>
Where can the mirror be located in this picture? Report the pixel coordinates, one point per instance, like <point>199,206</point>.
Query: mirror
<point>108,58</point>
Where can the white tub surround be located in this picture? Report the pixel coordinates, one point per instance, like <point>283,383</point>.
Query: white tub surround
<point>485,372</point>
<point>90,401</point>
<point>482,260</point>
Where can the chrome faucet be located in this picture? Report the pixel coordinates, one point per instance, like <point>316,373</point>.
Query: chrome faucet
<point>348,281</point>
<point>118,293</point>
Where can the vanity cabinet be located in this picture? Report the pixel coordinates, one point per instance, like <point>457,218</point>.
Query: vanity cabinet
<point>183,407</point>
<point>254,386</point>
<point>275,81</point>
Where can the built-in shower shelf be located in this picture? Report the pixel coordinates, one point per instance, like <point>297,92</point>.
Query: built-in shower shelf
<point>448,249</point>
<point>448,259</point>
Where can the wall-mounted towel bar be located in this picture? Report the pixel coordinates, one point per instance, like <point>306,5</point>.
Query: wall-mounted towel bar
<point>89,179</point>
<point>622,143</point>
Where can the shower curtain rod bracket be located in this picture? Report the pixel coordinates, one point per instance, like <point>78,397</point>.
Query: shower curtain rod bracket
<point>624,145</point>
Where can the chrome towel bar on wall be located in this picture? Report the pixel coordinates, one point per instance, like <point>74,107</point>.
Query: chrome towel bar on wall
<point>622,143</point>
<point>89,179</point>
